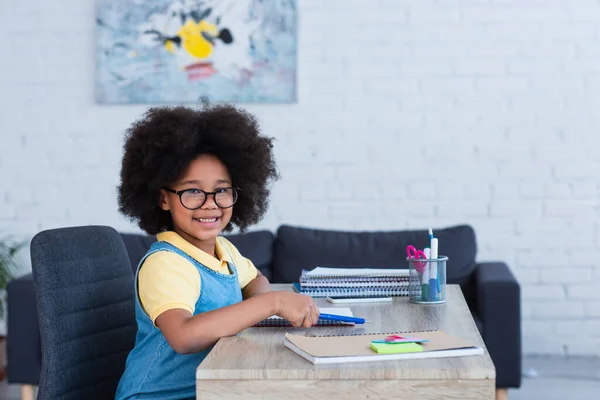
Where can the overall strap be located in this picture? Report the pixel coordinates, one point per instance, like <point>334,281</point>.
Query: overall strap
<point>160,246</point>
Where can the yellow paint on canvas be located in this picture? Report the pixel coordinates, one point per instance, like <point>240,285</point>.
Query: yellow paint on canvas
<point>170,46</point>
<point>192,39</point>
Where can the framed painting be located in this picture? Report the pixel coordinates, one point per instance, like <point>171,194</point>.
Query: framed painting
<point>179,51</point>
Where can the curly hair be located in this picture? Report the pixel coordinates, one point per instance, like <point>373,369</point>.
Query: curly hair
<point>160,146</point>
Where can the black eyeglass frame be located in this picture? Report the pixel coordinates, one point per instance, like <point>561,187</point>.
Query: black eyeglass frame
<point>206,194</point>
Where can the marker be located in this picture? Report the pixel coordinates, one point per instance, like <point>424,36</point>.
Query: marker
<point>433,284</point>
<point>427,252</point>
<point>425,277</point>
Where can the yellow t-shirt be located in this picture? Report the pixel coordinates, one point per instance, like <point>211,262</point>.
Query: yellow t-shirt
<point>167,280</point>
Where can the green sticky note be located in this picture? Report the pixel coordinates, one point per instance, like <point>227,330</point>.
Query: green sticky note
<point>394,348</point>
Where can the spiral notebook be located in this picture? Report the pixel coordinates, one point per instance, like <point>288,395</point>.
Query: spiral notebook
<point>354,282</point>
<point>275,321</point>
<point>336,349</point>
<point>347,291</point>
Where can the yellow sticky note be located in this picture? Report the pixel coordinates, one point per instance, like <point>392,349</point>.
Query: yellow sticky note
<point>394,348</point>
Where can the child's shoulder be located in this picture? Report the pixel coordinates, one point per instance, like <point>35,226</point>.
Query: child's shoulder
<point>165,257</point>
<point>166,265</point>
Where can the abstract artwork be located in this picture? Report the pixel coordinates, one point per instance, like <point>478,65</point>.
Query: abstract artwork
<point>180,51</point>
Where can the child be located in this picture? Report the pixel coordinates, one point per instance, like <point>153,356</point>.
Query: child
<point>187,175</point>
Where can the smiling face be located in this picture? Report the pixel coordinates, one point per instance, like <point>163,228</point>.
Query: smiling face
<point>200,227</point>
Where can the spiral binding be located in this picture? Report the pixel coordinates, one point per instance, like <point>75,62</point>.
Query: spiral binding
<point>356,292</point>
<point>374,333</point>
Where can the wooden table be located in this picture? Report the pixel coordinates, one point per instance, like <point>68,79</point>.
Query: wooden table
<point>255,363</point>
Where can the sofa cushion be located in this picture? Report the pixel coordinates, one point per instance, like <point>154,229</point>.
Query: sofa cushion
<point>257,246</point>
<point>478,322</point>
<point>137,245</point>
<point>298,248</point>
<point>23,347</point>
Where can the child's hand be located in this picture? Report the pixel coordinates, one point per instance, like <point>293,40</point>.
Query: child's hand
<point>299,309</point>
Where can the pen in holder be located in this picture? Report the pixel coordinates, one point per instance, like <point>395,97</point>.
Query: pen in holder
<point>427,280</point>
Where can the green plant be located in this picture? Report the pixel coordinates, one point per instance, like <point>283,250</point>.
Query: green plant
<point>8,264</point>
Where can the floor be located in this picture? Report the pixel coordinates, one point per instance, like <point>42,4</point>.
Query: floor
<point>554,378</point>
<point>545,378</point>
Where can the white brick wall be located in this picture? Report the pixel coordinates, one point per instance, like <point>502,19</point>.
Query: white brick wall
<point>482,112</point>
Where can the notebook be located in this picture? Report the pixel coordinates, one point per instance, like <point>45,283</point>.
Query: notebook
<point>336,349</point>
<point>354,282</point>
<point>352,291</point>
<point>274,320</point>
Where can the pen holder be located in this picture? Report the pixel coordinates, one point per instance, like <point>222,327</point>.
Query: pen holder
<point>427,280</point>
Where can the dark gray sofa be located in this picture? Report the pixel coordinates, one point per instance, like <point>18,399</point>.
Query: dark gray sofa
<point>490,289</point>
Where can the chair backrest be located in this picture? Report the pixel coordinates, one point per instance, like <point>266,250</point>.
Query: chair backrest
<point>85,298</point>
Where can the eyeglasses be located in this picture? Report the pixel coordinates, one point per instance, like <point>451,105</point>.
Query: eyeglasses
<point>193,199</point>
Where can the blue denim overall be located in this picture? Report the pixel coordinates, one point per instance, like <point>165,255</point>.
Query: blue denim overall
<point>153,369</point>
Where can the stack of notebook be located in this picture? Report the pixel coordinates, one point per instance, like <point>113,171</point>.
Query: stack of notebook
<point>359,348</point>
<point>353,282</point>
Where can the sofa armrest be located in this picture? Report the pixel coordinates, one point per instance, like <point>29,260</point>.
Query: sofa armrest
<point>24,353</point>
<point>498,303</point>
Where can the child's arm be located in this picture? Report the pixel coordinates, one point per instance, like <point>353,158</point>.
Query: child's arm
<point>189,334</point>
<point>258,285</point>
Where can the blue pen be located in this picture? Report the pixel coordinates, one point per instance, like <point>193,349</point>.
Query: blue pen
<point>342,318</point>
